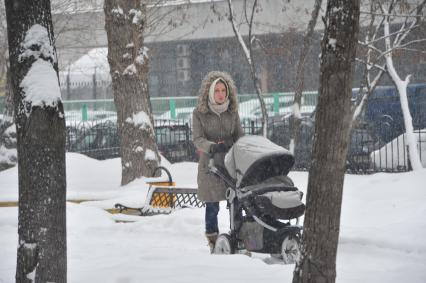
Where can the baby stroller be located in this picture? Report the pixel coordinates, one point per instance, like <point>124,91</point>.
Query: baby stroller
<point>262,200</point>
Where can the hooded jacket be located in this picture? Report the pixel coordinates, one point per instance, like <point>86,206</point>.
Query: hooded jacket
<point>210,128</point>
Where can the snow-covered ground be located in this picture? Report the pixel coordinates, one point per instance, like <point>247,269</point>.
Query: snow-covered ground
<point>382,235</point>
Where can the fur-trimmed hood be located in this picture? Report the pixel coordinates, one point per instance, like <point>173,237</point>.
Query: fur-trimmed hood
<point>203,94</point>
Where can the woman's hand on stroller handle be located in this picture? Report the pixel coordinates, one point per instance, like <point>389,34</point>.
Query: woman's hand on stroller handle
<point>218,148</point>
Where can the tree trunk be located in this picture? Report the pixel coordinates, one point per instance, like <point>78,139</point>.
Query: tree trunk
<point>332,128</point>
<point>39,117</point>
<point>127,57</point>
<point>401,86</point>
<point>297,118</point>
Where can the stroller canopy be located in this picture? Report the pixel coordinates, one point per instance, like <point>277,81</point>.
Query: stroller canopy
<point>253,159</point>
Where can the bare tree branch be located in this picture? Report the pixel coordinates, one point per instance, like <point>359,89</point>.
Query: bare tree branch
<point>307,41</point>
<point>390,15</point>
<point>370,64</point>
<point>391,34</point>
<point>411,49</point>
<point>249,57</point>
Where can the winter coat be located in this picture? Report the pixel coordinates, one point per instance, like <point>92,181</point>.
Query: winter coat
<point>210,128</point>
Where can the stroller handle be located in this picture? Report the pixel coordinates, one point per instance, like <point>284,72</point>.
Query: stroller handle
<point>215,170</point>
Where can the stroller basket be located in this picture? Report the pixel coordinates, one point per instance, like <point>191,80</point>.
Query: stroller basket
<point>280,205</point>
<point>276,197</point>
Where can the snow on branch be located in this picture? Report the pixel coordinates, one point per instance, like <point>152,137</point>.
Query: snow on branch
<point>238,33</point>
<point>369,64</point>
<point>391,34</point>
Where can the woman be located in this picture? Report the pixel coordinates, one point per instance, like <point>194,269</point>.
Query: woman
<point>216,127</point>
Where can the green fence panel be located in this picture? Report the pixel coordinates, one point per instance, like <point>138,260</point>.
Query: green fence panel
<point>84,112</point>
<point>172,104</point>
<point>2,102</point>
<point>181,107</point>
<point>276,103</point>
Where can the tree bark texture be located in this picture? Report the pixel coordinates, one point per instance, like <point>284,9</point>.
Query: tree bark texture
<point>41,255</point>
<point>127,57</point>
<point>332,128</point>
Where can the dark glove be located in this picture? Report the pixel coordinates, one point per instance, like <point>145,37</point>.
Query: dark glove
<point>218,147</point>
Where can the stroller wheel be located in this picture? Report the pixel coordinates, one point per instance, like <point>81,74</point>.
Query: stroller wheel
<point>224,245</point>
<point>290,249</point>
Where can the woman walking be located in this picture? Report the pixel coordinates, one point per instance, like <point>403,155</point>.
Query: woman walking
<point>216,127</point>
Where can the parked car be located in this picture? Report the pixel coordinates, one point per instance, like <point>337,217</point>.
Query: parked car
<point>384,110</point>
<point>363,141</point>
<point>184,113</point>
<point>250,110</point>
<point>101,141</point>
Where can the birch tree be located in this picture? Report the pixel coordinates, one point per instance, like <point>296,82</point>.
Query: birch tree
<point>368,84</point>
<point>381,43</point>
<point>40,125</point>
<point>247,48</point>
<point>128,60</point>
<point>401,85</point>
<point>332,128</point>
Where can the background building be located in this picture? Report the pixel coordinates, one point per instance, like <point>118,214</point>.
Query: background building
<point>187,39</point>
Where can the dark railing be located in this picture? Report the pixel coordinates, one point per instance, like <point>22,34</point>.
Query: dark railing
<point>367,151</point>
<point>100,139</point>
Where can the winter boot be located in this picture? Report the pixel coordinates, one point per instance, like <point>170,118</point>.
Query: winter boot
<point>211,239</point>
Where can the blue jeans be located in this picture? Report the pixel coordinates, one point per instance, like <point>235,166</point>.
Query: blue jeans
<point>212,209</point>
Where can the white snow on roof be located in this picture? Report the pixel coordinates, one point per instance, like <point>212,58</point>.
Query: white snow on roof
<point>83,69</point>
<point>95,59</point>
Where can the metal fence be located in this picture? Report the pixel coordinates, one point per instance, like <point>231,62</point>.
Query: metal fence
<point>100,139</point>
<point>378,144</point>
<point>367,153</point>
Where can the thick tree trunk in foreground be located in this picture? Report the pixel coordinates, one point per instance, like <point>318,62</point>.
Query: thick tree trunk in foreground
<point>127,57</point>
<point>332,128</point>
<point>40,123</point>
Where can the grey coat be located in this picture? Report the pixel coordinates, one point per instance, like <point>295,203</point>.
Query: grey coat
<point>209,128</point>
